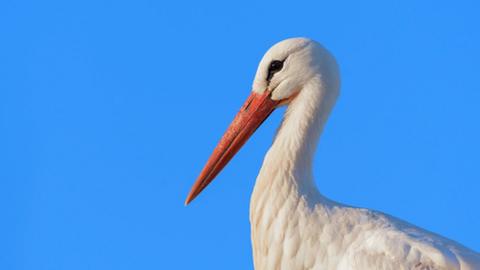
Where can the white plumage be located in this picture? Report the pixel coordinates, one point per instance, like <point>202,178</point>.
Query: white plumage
<point>295,227</point>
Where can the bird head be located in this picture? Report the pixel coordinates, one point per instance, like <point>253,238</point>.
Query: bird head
<point>281,75</point>
<point>287,67</point>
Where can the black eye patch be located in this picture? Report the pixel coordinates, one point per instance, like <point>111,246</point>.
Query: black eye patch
<point>275,66</point>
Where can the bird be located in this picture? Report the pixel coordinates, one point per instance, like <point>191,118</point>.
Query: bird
<point>294,226</point>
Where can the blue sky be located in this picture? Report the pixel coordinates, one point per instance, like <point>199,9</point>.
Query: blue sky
<point>109,109</point>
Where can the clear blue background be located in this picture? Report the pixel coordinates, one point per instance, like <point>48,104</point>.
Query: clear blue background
<point>109,109</point>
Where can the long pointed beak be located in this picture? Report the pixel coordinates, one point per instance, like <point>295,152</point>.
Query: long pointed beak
<point>251,115</point>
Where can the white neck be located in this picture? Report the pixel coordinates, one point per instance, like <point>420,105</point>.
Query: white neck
<point>285,181</point>
<point>289,160</point>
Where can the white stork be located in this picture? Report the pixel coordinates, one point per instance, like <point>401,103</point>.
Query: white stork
<point>294,226</point>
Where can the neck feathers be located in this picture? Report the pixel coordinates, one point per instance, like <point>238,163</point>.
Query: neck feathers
<point>285,182</point>
<point>303,123</point>
<point>286,173</point>
<point>295,143</point>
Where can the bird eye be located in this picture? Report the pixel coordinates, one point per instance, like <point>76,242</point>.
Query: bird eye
<point>275,66</point>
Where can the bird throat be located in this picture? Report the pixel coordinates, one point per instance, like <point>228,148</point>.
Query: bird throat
<point>285,182</point>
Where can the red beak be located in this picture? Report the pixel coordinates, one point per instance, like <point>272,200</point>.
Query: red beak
<point>252,114</point>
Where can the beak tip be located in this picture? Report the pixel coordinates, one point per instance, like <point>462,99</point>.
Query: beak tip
<point>190,198</point>
<point>194,192</point>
